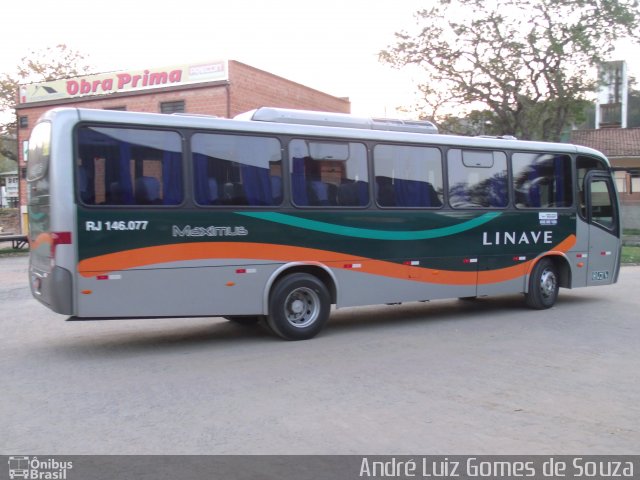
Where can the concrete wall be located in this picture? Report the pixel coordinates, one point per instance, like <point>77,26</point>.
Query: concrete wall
<point>630,216</point>
<point>9,221</point>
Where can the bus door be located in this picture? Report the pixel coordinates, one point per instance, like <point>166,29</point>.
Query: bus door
<point>604,228</point>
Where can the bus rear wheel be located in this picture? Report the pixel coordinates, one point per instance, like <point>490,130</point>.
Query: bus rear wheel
<point>543,285</point>
<point>299,306</point>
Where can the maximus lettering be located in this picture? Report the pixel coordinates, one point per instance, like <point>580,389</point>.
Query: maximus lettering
<point>212,231</point>
<point>517,238</point>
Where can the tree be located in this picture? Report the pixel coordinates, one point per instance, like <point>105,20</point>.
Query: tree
<point>477,122</point>
<point>38,66</point>
<point>530,63</point>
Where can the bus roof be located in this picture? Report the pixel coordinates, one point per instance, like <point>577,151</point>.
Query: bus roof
<point>242,123</point>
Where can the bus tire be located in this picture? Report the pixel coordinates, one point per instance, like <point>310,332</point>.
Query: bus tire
<point>244,319</point>
<point>299,306</point>
<point>544,284</point>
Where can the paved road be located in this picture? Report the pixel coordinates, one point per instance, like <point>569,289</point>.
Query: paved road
<point>439,378</point>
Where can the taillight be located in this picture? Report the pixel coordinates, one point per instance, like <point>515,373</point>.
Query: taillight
<point>59,238</point>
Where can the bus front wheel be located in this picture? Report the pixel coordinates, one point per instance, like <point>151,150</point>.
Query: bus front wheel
<point>543,285</point>
<point>299,306</point>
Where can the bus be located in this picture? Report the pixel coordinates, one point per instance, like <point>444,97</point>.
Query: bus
<point>280,215</point>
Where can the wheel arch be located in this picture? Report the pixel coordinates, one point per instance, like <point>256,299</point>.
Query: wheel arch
<point>318,270</point>
<point>561,262</point>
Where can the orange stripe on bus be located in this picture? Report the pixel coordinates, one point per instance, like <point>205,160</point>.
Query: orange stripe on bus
<point>42,239</point>
<point>197,251</point>
<point>510,273</point>
<point>142,257</point>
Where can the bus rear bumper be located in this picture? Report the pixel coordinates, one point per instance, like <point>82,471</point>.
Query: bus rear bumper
<point>53,289</point>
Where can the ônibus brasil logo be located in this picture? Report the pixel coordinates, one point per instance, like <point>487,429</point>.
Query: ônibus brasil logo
<point>33,468</point>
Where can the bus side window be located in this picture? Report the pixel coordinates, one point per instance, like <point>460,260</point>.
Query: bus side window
<point>236,169</point>
<point>477,179</point>
<point>408,176</point>
<point>129,166</point>
<point>601,204</point>
<point>583,166</point>
<point>542,180</point>
<point>328,173</point>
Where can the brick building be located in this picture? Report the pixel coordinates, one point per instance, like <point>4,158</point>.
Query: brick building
<point>221,88</point>
<point>622,147</point>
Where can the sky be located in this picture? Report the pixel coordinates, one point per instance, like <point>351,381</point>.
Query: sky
<point>329,45</point>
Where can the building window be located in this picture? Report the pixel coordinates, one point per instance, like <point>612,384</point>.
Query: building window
<point>121,108</point>
<point>172,107</point>
<point>24,122</point>
<point>635,184</point>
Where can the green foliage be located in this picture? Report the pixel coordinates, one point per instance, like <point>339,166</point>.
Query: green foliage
<point>630,255</point>
<point>8,154</point>
<point>528,62</point>
<point>477,122</point>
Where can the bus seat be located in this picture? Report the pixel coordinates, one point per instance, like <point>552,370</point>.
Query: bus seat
<point>385,194</point>
<point>276,189</point>
<point>115,194</point>
<point>147,190</point>
<point>234,194</point>
<point>352,194</point>
<point>318,193</point>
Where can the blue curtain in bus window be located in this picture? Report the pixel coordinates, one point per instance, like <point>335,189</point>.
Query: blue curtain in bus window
<point>257,185</point>
<point>124,175</point>
<point>412,193</point>
<point>172,178</point>
<point>496,190</point>
<point>86,186</point>
<point>298,182</point>
<point>363,193</point>
<point>200,180</point>
<point>276,189</point>
<point>559,174</point>
<point>534,186</point>
<point>88,151</point>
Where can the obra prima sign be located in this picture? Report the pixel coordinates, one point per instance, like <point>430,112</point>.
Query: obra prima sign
<point>124,81</point>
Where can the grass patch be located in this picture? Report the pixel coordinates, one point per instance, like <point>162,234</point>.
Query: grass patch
<point>5,252</point>
<point>630,255</point>
<point>631,231</point>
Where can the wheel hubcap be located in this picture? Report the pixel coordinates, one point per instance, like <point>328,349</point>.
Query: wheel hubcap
<point>302,307</point>
<point>548,283</point>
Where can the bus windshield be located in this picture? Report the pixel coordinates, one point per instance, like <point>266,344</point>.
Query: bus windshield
<point>39,151</point>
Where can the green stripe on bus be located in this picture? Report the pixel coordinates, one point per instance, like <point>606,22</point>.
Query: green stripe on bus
<point>334,229</point>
